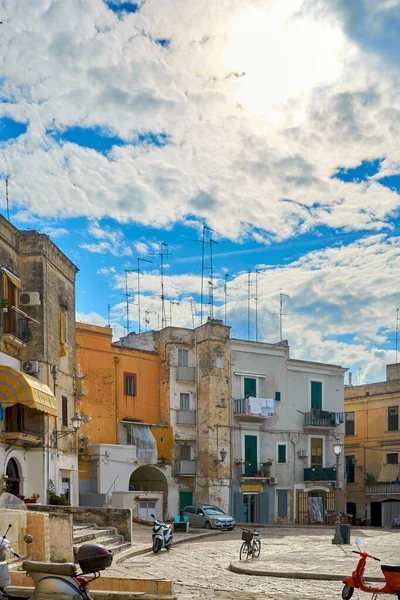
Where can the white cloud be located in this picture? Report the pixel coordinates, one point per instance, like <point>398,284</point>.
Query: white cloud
<point>55,232</point>
<point>106,271</point>
<point>113,241</point>
<point>94,318</point>
<point>82,66</point>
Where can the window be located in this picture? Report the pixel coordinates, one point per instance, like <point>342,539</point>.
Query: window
<point>350,469</point>
<point>316,394</point>
<point>393,418</point>
<point>64,414</point>
<point>129,384</point>
<point>184,402</point>
<point>66,487</point>
<point>185,452</point>
<point>281,453</point>
<point>316,453</point>
<point>63,330</point>
<point>277,396</point>
<point>220,360</point>
<point>183,358</point>
<point>392,458</point>
<point>250,387</point>
<point>350,422</point>
<point>10,284</point>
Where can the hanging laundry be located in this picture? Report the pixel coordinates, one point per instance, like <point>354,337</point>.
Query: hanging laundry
<point>254,405</point>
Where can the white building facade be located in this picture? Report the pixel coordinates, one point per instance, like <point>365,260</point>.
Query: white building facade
<point>286,416</point>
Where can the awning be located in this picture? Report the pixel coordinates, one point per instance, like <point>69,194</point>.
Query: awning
<point>19,388</point>
<point>389,473</point>
<point>13,278</point>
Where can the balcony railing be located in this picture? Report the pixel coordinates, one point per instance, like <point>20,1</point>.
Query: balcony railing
<point>319,419</point>
<point>320,474</point>
<point>252,469</point>
<point>186,467</point>
<point>15,324</point>
<point>186,417</point>
<point>186,374</point>
<point>383,488</point>
<point>242,406</point>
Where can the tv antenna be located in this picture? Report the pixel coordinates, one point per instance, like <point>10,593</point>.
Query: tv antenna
<point>203,242</point>
<point>8,206</point>
<point>138,284</point>
<point>108,314</point>
<point>147,318</point>
<point>171,303</point>
<point>164,252</point>
<point>211,287</point>
<point>248,302</point>
<point>397,329</point>
<point>128,297</point>
<point>258,272</point>
<point>226,293</point>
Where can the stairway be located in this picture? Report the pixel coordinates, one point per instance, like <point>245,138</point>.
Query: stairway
<point>107,536</point>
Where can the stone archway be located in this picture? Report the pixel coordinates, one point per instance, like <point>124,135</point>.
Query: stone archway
<point>149,479</point>
<point>13,477</point>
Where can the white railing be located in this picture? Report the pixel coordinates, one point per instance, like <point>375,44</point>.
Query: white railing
<point>383,488</point>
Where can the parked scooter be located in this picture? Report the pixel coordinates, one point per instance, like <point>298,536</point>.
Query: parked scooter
<point>390,572</point>
<point>162,535</point>
<point>53,580</point>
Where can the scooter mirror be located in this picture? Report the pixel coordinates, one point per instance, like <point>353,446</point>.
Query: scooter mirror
<point>358,541</point>
<point>28,539</point>
<point>152,516</point>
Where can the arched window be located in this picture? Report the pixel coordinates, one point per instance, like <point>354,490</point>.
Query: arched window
<point>13,477</point>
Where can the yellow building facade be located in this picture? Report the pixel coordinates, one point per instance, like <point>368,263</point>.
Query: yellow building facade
<point>372,450</point>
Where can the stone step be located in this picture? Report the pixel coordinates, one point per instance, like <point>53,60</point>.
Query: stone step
<point>105,540</point>
<point>92,533</point>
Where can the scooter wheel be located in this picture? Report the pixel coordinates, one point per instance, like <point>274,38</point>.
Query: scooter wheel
<point>347,592</point>
<point>157,546</point>
<point>168,547</point>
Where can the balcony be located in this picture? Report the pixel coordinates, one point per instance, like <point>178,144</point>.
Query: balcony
<point>319,418</point>
<point>24,426</point>
<point>260,472</point>
<point>245,410</point>
<point>185,374</point>
<point>186,467</point>
<point>384,488</point>
<point>186,417</point>
<point>320,474</point>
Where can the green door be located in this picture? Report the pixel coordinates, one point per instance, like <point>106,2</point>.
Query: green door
<point>250,455</point>
<point>250,387</point>
<point>316,395</point>
<point>185,499</point>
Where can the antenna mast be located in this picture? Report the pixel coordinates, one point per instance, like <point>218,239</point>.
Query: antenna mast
<point>226,294</point>
<point>256,299</point>
<point>248,303</point>
<point>192,311</point>
<point>127,296</point>
<point>163,253</point>
<point>397,329</point>
<point>281,315</point>
<point>138,285</point>
<point>211,286</point>
<point>108,312</point>
<point>8,206</point>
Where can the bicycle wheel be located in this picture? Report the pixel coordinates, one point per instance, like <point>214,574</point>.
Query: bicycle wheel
<point>256,548</point>
<point>245,551</point>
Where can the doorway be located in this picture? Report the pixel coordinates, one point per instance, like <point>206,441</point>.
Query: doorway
<point>376,514</point>
<point>185,499</point>
<point>13,477</point>
<point>351,509</point>
<point>251,508</point>
<point>250,455</point>
<point>282,497</point>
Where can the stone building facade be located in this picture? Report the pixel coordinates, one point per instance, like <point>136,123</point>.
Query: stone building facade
<point>372,444</point>
<point>38,378</point>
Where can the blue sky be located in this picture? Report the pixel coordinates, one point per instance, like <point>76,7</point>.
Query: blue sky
<point>125,125</point>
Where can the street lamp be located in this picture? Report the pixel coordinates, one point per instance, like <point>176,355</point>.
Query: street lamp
<point>76,421</point>
<point>337,449</point>
<point>223,454</point>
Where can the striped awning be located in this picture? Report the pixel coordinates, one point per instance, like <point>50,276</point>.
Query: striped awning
<point>19,388</point>
<point>13,278</point>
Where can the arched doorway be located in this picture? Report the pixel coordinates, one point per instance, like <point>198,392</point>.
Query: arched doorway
<point>13,477</point>
<point>149,479</point>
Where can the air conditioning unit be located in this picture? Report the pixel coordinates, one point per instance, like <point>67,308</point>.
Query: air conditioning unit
<point>303,453</point>
<point>30,366</point>
<point>29,299</point>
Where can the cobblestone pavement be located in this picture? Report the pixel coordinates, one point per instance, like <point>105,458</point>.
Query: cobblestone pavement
<point>200,569</point>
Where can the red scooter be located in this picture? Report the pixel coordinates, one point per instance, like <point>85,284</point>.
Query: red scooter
<point>355,580</point>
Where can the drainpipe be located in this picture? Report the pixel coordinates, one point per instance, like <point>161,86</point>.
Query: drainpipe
<point>116,361</point>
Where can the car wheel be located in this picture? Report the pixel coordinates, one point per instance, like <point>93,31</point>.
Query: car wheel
<point>208,525</point>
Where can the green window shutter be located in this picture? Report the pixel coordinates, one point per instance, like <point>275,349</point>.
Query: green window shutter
<point>277,396</point>
<point>250,387</point>
<point>281,453</point>
<point>316,394</point>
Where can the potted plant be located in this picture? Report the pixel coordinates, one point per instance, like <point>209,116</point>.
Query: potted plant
<point>5,303</point>
<point>266,466</point>
<point>32,499</point>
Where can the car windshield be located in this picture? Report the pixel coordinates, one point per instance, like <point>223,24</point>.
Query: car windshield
<point>213,510</point>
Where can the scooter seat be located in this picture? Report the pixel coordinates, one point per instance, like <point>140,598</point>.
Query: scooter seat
<point>391,568</point>
<point>32,566</point>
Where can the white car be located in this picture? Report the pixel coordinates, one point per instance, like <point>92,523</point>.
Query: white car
<point>208,516</point>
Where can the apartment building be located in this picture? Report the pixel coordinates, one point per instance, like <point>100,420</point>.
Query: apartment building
<point>37,366</point>
<point>372,448</point>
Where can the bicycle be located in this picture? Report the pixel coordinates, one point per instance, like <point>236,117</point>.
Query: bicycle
<point>251,546</point>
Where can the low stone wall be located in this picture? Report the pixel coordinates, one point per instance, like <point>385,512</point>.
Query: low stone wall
<point>120,518</point>
<point>38,526</point>
<point>61,538</point>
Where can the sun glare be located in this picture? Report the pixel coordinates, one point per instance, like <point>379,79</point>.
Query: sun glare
<point>280,58</point>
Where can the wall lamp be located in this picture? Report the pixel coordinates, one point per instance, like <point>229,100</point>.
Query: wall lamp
<point>222,454</point>
<point>76,425</point>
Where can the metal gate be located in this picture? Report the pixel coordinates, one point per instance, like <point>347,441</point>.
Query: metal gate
<point>328,503</point>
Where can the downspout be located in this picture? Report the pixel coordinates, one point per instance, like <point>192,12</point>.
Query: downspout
<point>116,361</point>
